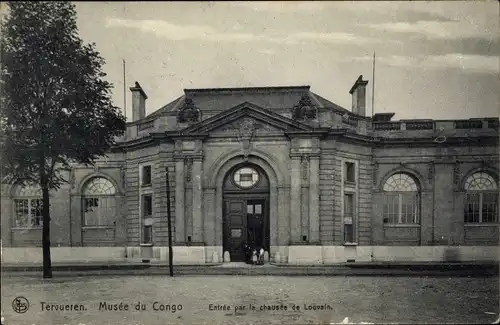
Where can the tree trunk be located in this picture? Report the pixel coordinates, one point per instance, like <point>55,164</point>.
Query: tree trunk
<point>47,264</point>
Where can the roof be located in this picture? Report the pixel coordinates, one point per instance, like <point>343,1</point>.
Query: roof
<point>274,98</point>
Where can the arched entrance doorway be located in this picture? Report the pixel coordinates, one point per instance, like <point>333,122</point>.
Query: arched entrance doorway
<point>245,210</point>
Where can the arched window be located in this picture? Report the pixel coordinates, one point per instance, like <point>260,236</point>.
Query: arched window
<point>401,200</point>
<point>481,198</point>
<point>28,205</point>
<point>99,202</point>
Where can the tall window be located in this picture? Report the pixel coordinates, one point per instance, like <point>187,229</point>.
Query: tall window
<point>401,200</point>
<point>146,175</point>
<point>99,202</point>
<point>481,199</point>
<point>147,218</point>
<point>349,217</point>
<point>28,206</point>
<point>350,174</point>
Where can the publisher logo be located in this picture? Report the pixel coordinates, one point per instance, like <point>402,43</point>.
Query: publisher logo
<point>20,305</point>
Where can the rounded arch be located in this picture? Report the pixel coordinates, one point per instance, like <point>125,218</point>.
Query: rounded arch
<point>21,189</point>
<point>400,182</point>
<point>86,179</point>
<point>417,178</point>
<point>98,186</point>
<point>488,171</point>
<point>401,198</point>
<point>216,173</point>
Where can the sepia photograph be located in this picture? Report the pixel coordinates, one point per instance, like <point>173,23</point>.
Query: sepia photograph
<point>260,162</point>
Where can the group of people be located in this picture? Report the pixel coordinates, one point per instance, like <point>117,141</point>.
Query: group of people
<point>254,254</point>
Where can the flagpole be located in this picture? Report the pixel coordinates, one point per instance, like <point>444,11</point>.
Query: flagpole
<point>373,85</point>
<point>124,92</point>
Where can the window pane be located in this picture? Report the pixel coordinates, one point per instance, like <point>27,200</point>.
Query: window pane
<point>28,190</point>
<point>22,213</point>
<point>480,182</point>
<point>409,208</point>
<point>258,209</point>
<point>148,234</point>
<point>107,211</point>
<point>146,175</point>
<point>246,177</point>
<point>99,211</point>
<point>348,233</point>
<point>99,186</point>
<point>147,205</point>
<point>400,182</point>
<point>489,211</point>
<point>471,208</point>
<point>391,208</point>
<point>348,204</point>
<point>36,212</point>
<point>249,208</point>
<point>349,172</point>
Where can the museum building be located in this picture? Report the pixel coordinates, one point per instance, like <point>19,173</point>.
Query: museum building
<point>278,167</point>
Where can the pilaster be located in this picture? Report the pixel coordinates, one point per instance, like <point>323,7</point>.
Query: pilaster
<point>210,233</point>
<point>295,199</point>
<point>283,222</point>
<point>314,199</point>
<point>180,235</point>
<point>197,200</point>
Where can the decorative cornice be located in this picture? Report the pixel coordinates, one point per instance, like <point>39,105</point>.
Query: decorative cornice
<point>319,132</point>
<point>169,136</point>
<point>300,154</point>
<point>179,135</point>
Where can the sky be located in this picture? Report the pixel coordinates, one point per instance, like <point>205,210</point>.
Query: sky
<point>435,59</point>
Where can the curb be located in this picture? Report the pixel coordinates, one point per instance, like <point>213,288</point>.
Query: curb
<point>272,270</point>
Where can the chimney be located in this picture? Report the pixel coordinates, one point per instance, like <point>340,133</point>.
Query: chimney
<point>138,102</point>
<point>358,92</point>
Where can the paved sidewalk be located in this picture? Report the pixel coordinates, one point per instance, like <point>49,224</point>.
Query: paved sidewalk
<point>343,269</point>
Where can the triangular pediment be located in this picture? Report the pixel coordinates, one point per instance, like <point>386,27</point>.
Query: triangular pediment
<point>246,115</point>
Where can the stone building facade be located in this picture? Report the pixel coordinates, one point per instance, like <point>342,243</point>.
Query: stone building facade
<point>280,167</point>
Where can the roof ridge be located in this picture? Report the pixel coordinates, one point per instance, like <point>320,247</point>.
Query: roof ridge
<point>208,90</point>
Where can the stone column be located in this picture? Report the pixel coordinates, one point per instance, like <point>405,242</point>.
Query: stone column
<point>197,204</point>
<point>179,201</point>
<point>314,199</point>
<point>295,200</point>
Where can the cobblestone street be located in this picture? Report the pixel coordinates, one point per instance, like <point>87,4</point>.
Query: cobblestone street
<point>250,300</point>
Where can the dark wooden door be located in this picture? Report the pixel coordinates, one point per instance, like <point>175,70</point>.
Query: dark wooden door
<point>256,223</point>
<point>245,222</point>
<point>235,228</point>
